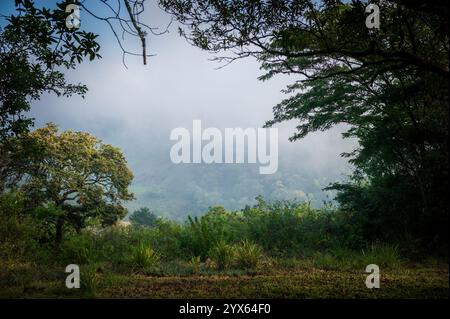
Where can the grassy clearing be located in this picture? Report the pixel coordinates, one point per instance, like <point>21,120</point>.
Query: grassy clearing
<point>262,252</point>
<point>290,278</point>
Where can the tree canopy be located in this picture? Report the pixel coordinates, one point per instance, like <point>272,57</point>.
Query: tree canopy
<point>143,217</point>
<point>75,174</point>
<point>35,48</point>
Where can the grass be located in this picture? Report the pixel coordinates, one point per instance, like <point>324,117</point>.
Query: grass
<point>89,282</point>
<point>248,255</point>
<point>144,256</point>
<point>195,264</point>
<point>290,278</point>
<point>223,255</point>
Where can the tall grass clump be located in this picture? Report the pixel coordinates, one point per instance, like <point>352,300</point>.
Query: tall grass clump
<point>326,261</point>
<point>383,255</point>
<point>143,256</point>
<point>248,255</point>
<point>222,254</point>
<point>195,263</point>
<point>89,281</point>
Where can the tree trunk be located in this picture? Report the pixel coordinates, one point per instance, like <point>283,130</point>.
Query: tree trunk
<point>59,230</point>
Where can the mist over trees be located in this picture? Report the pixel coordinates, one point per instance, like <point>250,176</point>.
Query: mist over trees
<point>389,86</point>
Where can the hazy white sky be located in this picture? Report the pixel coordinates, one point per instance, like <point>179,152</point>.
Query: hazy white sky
<point>136,108</point>
<point>178,85</point>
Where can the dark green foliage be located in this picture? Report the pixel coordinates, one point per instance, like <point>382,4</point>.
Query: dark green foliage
<point>277,229</point>
<point>297,229</point>
<point>143,217</point>
<point>201,234</point>
<point>280,228</point>
<point>78,250</point>
<point>18,237</point>
<point>35,48</point>
<point>388,86</point>
<point>72,179</point>
<point>123,248</point>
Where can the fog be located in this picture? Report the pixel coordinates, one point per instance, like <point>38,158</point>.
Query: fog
<point>136,107</point>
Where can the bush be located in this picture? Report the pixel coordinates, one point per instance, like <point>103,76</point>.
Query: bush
<point>165,237</point>
<point>248,254</point>
<point>122,246</point>
<point>289,228</point>
<point>199,236</point>
<point>144,256</point>
<point>78,249</point>
<point>18,234</point>
<point>89,281</point>
<point>222,254</point>
<point>194,263</point>
<point>114,244</point>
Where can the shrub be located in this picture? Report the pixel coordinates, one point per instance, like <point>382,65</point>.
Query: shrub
<point>248,254</point>
<point>194,263</point>
<point>117,245</point>
<point>18,232</point>
<point>222,254</point>
<point>144,256</point>
<point>200,235</point>
<point>89,281</point>
<point>78,249</point>
<point>165,238</point>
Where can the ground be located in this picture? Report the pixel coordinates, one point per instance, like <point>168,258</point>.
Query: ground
<point>294,282</point>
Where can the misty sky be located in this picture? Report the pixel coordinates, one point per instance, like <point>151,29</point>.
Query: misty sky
<point>136,108</point>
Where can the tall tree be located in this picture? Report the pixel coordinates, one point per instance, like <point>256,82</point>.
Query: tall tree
<point>74,176</point>
<point>143,217</point>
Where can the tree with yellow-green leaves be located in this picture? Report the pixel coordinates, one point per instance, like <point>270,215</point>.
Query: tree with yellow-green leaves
<point>72,177</point>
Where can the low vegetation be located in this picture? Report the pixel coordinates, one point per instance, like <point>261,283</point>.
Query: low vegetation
<point>282,249</point>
